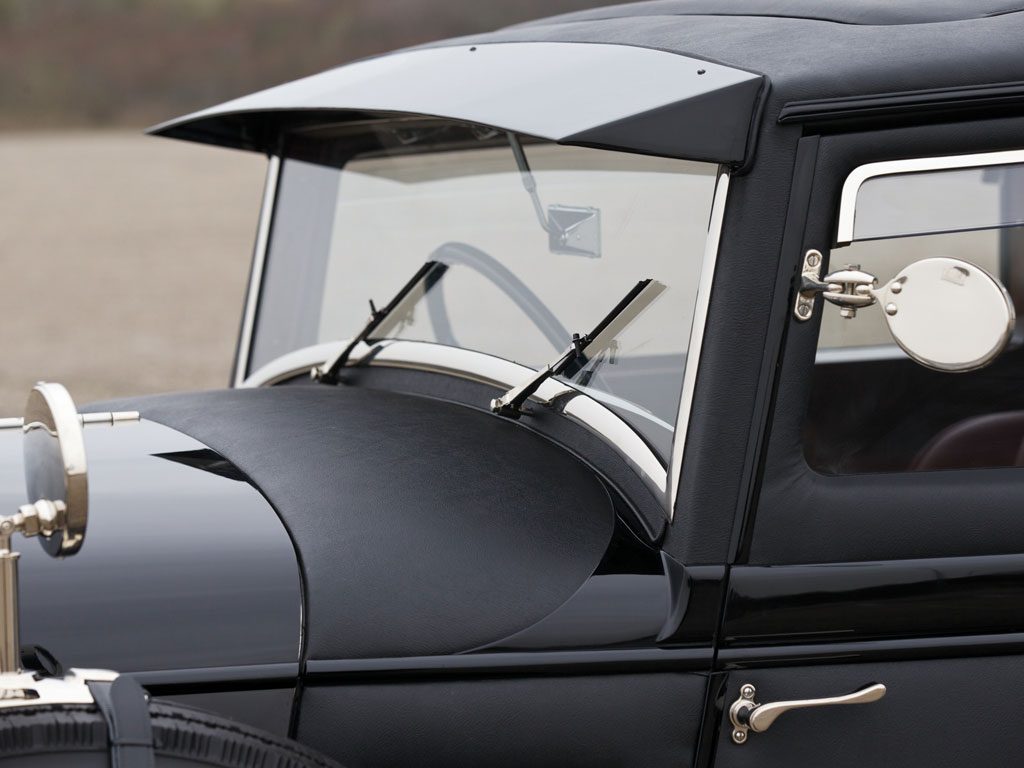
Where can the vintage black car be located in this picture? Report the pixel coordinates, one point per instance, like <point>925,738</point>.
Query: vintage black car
<point>626,388</point>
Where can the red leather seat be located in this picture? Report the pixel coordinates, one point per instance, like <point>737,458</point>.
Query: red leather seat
<point>993,440</point>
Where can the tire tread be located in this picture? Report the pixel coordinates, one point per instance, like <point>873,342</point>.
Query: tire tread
<point>179,732</point>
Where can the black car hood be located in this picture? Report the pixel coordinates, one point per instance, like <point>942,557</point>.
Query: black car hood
<point>422,527</point>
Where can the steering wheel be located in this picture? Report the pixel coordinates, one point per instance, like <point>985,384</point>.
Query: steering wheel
<point>498,274</point>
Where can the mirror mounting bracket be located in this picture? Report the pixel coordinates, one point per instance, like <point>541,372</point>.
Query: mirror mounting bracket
<point>849,288</point>
<point>44,518</point>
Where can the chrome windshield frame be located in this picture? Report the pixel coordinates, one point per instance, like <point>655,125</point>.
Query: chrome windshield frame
<point>494,371</point>
<point>697,327</point>
<point>259,258</point>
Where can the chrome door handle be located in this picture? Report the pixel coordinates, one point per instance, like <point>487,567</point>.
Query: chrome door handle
<point>745,714</point>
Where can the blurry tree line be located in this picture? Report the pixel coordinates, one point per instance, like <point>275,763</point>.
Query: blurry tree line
<point>74,63</point>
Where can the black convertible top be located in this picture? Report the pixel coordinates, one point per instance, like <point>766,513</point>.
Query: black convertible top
<point>815,49</point>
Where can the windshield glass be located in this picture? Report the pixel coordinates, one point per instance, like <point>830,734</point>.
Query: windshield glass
<point>360,209</point>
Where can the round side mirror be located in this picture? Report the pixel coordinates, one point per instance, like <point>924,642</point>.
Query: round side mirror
<point>55,465</point>
<point>948,314</point>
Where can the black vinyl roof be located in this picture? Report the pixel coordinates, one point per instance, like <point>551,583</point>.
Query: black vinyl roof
<point>815,49</point>
<point>859,12</point>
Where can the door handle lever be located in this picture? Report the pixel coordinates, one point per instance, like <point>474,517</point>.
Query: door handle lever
<point>746,715</point>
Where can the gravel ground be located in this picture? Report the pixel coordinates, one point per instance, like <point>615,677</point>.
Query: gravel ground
<point>125,259</point>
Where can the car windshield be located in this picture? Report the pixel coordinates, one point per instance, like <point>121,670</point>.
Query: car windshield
<point>540,241</point>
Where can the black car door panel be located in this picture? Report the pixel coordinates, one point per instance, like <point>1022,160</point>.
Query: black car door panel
<point>647,720</point>
<point>855,569</point>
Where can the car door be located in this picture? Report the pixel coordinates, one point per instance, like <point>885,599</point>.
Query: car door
<point>875,607</point>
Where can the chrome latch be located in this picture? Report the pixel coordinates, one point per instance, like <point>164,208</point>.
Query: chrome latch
<point>850,288</point>
<point>746,715</point>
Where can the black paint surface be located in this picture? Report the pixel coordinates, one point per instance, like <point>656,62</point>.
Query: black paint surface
<point>424,527</point>
<point>181,567</point>
<point>850,602</point>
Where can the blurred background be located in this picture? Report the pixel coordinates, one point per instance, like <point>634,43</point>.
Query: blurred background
<point>126,257</point>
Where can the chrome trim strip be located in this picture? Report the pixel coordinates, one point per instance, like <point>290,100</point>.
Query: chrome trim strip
<point>464,363</point>
<point>597,418</point>
<point>414,355</point>
<point>700,318</point>
<point>853,183</point>
<point>865,354</point>
<point>292,364</point>
<point>259,258</point>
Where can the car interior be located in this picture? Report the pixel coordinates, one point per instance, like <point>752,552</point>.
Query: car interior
<point>889,414</point>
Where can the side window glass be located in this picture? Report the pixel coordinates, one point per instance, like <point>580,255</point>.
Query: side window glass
<point>872,408</point>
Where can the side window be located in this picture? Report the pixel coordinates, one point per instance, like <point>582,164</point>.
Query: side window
<point>872,408</point>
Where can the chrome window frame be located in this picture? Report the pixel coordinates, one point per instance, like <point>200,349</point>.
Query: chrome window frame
<point>488,369</point>
<point>861,174</point>
<point>847,221</point>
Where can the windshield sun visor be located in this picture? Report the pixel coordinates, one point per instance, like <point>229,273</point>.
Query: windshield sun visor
<point>587,94</point>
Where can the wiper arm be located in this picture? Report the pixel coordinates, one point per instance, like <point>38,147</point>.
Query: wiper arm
<point>582,348</point>
<point>424,279</point>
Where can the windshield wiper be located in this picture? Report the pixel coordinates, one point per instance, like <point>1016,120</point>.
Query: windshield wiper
<point>583,348</point>
<point>399,306</point>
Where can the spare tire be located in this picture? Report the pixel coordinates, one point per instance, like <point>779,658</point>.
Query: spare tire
<point>75,736</point>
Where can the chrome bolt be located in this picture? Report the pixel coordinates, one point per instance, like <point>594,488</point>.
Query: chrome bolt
<point>891,309</point>
<point>739,736</point>
<point>813,258</point>
<point>848,312</point>
<point>803,310</point>
<point>747,691</point>
<point>896,287</point>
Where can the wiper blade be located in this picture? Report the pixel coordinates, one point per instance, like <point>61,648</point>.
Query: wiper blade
<point>583,348</point>
<point>403,301</point>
